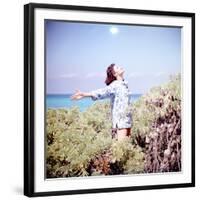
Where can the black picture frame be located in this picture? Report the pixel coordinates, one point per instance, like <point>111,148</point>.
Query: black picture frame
<point>29,97</point>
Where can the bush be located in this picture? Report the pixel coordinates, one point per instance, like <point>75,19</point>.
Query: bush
<point>157,127</point>
<point>74,141</point>
<point>80,143</point>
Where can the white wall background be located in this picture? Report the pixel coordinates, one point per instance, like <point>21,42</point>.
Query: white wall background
<point>11,104</point>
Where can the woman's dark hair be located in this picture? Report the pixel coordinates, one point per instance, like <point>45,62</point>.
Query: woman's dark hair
<point>110,77</point>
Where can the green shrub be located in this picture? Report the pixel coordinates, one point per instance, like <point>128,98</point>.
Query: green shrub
<point>75,142</point>
<point>155,104</point>
<point>128,156</point>
<point>80,143</point>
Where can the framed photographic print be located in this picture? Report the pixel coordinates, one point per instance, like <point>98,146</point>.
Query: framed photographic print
<point>109,99</point>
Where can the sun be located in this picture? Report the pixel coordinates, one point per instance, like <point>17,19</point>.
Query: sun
<point>114,30</point>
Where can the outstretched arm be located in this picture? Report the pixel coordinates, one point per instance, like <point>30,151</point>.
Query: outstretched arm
<point>103,93</point>
<point>79,95</point>
<point>95,94</point>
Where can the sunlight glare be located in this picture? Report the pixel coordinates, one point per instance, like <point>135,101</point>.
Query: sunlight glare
<point>114,30</point>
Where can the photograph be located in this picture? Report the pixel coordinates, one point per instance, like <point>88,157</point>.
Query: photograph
<point>113,99</point>
<point>109,99</point>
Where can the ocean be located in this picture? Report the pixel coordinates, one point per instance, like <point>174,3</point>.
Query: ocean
<point>64,101</point>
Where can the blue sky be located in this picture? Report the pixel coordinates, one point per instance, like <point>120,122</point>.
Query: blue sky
<point>78,54</point>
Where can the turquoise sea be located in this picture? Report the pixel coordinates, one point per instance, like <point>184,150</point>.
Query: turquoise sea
<point>64,101</point>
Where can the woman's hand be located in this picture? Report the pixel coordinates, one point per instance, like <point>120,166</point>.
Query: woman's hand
<point>78,95</point>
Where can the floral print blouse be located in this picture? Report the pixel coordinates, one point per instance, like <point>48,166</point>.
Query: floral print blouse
<point>119,95</point>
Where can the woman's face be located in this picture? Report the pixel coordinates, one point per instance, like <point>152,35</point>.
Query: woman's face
<point>118,71</point>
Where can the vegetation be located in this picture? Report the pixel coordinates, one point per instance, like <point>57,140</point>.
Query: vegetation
<point>80,143</point>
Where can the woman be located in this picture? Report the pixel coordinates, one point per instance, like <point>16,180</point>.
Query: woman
<point>117,90</point>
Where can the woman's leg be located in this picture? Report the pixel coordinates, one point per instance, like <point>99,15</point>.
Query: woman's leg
<point>123,133</point>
